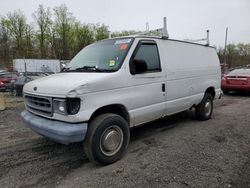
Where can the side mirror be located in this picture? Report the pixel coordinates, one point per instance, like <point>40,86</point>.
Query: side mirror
<point>138,66</point>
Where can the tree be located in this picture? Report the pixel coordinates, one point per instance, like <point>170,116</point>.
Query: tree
<point>236,54</point>
<point>29,44</point>
<point>43,19</point>
<point>4,42</point>
<point>15,22</point>
<point>5,46</point>
<point>63,30</point>
<point>83,36</point>
<point>101,32</point>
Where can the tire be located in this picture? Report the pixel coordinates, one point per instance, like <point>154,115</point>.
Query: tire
<point>107,139</point>
<point>14,92</point>
<point>204,110</point>
<point>225,92</point>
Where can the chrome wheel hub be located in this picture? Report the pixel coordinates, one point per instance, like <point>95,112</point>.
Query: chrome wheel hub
<point>208,108</point>
<point>111,140</point>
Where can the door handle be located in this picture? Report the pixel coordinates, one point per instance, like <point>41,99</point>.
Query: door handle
<point>163,87</point>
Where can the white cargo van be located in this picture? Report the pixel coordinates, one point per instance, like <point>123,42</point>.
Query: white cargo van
<point>119,83</point>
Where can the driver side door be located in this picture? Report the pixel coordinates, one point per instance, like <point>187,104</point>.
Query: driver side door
<point>148,89</point>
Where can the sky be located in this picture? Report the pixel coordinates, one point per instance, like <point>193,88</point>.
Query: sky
<point>186,19</point>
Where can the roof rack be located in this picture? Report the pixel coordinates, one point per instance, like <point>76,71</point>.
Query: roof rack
<point>200,40</point>
<point>161,32</point>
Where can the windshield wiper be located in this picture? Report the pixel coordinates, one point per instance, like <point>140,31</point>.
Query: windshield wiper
<point>88,68</point>
<point>64,69</point>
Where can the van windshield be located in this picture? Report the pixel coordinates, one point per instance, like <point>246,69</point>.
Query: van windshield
<point>104,56</point>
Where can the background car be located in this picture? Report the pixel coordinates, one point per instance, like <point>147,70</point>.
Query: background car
<point>6,78</point>
<point>16,88</point>
<point>236,80</point>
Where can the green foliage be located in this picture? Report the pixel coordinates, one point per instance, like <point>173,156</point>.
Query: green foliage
<point>15,23</point>
<point>56,34</point>
<point>83,36</point>
<point>43,20</point>
<point>236,54</point>
<point>63,26</point>
<point>101,32</point>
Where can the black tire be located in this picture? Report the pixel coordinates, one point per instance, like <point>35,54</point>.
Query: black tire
<point>225,92</point>
<point>101,127</point>
<point>14,92</point>
<point>204,110</point>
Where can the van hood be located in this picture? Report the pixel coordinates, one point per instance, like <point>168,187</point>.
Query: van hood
<point>72,84</point>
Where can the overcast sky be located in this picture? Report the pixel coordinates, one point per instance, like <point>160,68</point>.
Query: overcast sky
<point>187,19</point>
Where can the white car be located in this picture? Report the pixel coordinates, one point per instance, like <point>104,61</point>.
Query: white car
<point>119,83</point>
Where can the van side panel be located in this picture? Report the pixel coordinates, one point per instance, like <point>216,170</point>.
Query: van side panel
<point>191,69</point>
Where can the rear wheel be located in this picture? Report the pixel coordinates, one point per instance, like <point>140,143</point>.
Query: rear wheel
<point>204,110</point>
<point>107,139</point>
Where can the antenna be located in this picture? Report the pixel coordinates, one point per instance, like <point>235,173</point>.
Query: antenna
<point>225,48</point>
<point>147,27</point>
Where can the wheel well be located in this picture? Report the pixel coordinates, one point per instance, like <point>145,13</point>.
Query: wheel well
<point>114,108</point>
<point>211,91</point>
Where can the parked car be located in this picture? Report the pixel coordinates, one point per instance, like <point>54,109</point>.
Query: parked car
<point>35,74</point>
<point>119,83</point>
<point>6,78</point>
<point>2,71</point>
<point>236,80</point>
<point>16,88</point>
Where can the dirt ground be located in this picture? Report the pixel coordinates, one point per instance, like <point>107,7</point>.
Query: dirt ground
<point>177,151</point>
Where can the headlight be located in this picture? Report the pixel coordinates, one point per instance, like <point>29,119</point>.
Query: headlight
<point>60,106</point>
<point>67,106</point>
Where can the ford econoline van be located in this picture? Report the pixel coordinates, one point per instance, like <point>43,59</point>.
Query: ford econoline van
<point>115,84</point>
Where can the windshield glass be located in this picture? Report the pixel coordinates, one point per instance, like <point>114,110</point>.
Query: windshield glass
<point>104,56</point>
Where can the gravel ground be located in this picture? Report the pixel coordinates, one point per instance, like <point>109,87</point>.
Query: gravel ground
<point>177,151</point>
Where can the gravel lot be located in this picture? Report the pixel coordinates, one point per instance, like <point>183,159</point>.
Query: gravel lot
<point>178,151</point>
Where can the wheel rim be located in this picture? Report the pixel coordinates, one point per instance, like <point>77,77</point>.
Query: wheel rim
<point>208,108</point>
<point>111,140</point>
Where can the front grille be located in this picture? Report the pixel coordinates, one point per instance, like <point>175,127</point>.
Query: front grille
<point>39,105</point>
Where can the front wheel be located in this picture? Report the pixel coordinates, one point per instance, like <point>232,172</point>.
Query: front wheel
<point>14,92</point>
<point>226,92</point>
<point>204,110</point>
<point>107,139</point>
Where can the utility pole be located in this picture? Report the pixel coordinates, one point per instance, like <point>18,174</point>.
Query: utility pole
<point>147,27</point>
<point>225,48</point>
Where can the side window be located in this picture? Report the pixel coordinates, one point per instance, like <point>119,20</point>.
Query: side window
<point>149,53</point>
